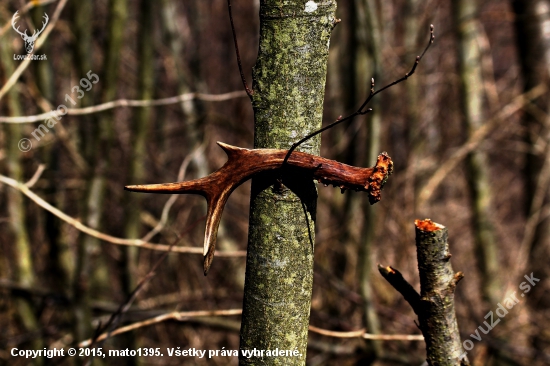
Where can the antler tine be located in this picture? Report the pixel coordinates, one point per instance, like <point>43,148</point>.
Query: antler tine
<point>189,187</point>
<point>44,23</point>
<point>14,20</point>
<point>214,216</point>
<point>243,164</point>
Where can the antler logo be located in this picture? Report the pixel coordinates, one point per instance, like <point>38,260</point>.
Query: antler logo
<point>29,40</point>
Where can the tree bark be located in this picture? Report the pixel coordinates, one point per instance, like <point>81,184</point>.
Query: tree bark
<point>372,37</point>
<point>289,82</point>
<point>146,75</point>
<point>472,96</point>
<point>89,266</point>
<point>23,261</point>
<point>435,303</point>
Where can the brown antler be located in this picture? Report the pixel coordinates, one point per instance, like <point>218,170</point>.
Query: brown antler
<point>242,164</point>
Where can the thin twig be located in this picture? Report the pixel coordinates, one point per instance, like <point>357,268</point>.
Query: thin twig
<point>36,176</point>
<point>536,210</point>
<point>179,316</point>
<point>361,334</point>
<point>116,317</point>
<point>15,76</point>
<point>61,133</point>
<point>105,237</point>
<point>361,110</point>
<point>166,209</point>
<point>396,279</point>
<point>28,6</point>
<point>185,315</point>
<point>475,139</point>
<point>248,91</point>
<point>126,103</point>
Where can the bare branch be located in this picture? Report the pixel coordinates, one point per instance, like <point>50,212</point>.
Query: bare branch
<point>126,103</point>
<point>28,6</point>
<point>26,62</point>
<point>116,317</point>
<point>362,109</point>
<point>186,315</point>
<point>105,237</point>
<point>535,212</point>
<point>248,91</point>
<point>361,334</point>
<point>36,176</point>
<point>475,139</point>
<point>179,316</point>
<point>166,209</point>
<point>396,279</point>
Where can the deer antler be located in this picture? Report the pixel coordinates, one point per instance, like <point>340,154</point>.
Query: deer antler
<point>242,164</point>
<point>43,26</point>
<point>13,21</point>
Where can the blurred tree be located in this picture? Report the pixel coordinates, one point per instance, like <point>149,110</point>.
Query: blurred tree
<point>188,80</point>
<point>533,42</point>
<point>370,26</point>
<point>22,252</point>
<point>90,269</point>
<point>472,102</point>
<point>289,84</point>
<point>138,152</point>
<point>82,316</point>
<point>414,125</point>
<point>472,108</point>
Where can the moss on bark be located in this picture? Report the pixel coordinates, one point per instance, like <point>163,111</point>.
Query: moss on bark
<point>289,83</point>
<point>436,307</point>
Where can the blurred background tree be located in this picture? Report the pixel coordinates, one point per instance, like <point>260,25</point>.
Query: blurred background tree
<point>58,282</point>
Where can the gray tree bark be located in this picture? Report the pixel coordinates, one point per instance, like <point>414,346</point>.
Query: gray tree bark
<point>472,97</point>
<point>368,13</point>
<point>435,303</point>
<point>289,83</point>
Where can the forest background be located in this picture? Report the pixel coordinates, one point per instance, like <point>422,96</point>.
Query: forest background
<point>468,133</point>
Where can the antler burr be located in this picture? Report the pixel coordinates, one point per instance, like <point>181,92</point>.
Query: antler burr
<point>243,164</point>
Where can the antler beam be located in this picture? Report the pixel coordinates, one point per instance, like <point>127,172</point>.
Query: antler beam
<point>243,164</point>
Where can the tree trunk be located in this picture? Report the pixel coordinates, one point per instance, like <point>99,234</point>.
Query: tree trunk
<point>23,264</point>
<point>89,266</point>
<point>435,303</point>
<point>369,20</point>
<point>289,83</point>
<point>472,96</point>
<point>532,17</point>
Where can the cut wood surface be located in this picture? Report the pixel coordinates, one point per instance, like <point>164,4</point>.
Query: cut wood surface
<point>435,303</point>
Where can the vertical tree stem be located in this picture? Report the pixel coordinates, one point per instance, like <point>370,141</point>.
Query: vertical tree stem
<point>373,30</point>
<point>437,285</point>
<point>435,303</point>
<point>471,90</point>
<point>289,82</point>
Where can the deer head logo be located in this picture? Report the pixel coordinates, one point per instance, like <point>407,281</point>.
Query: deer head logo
<point>29,40</point>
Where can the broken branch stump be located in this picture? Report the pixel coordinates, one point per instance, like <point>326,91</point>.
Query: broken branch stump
<point>435,303</point>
